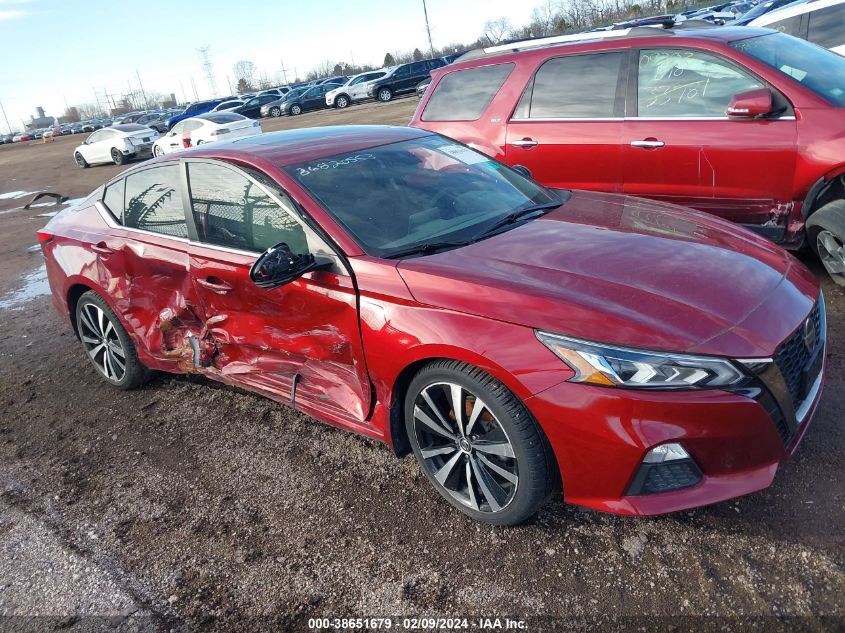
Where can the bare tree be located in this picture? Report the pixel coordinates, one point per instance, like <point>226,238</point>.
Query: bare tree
<point>245,74</point>
<point>497,30</point>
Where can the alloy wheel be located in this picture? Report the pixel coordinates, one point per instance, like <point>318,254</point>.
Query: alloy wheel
<point>831,252</point>
<point>99,336</point>
<point>384,95</point>
<point>342,102</point>
<point>465,448</point>
<point>275,112</point>
<point>157,150</point>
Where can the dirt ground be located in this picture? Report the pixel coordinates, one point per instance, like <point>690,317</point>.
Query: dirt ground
<point>187,505</point>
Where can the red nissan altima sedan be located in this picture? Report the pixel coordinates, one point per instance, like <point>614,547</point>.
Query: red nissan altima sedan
<point>518,340</point>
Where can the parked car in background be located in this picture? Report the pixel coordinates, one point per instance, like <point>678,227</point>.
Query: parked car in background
<point>313,98</point>
<point>274,108</point>
<point>354,90</point>
<point>117,144</point>
<point>423,86</point>
<point>92,125</point>
<point>129,117</point>
<point>193,109</point>
<point>280,91</point>
<point>155,120</point>
<point>205,128</point>
<point>763,146</point>
<point>382,301</point>
<point>252,107</point>
<point>228,105</point>
<point>76,128</point>
<point>6,139</point>
<point>336,80</point>
<point>402,79</point>
<point>761,9</point>
<point>23,136</point>
<point>821,22</point>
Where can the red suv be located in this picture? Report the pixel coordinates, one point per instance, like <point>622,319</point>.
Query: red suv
<point>747,124</point>
<point>398,284</point>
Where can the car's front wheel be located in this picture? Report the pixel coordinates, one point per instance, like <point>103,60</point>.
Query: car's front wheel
<point>117,157</point>
<point>826,235</point>
<point>109,348</point>
<point>477,443</point>
<point>80,160</point>
<point>157,150</point>
<point>341,102</point>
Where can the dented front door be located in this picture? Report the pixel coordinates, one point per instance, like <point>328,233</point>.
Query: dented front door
<point>297,342</point>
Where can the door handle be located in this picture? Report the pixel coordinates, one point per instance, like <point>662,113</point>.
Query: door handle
<point>649,143</point>
<point>102,249</point>
<point>526,142</point>
<point>214,284</point>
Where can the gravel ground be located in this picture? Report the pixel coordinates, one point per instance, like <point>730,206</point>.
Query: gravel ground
<point>187,505</point>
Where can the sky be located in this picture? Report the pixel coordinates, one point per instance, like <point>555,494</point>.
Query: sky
<point>57,52</point>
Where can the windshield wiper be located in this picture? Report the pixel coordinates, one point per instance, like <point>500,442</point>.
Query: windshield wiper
<point>517,215</point>
<point>426,248</point>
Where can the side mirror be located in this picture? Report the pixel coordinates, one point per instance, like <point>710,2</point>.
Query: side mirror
<point>522,170</point>
<point>278,266</point>
<point>751,104</point>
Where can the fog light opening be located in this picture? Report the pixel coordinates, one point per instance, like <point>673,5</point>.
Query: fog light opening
<point>665,468</point>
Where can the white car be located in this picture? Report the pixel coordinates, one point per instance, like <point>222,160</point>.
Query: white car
<point>353,90</point>
<point>228,105</point>
<point>821,22</point>
<point>205,128</point>
<point>116,144</point>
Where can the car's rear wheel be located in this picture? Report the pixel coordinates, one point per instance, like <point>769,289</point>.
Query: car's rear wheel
<point>826,235</point>
<point>107,343</point>
<point>477,443</point>
<point>385,94</point>
<point>341,102</point>
<point>275,111</point>
<point>296,109</point>
<point>157,150</point>
<point>117,157</point>
<point>80,160</point>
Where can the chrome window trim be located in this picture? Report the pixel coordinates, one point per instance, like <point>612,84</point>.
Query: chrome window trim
<point>114,225</point>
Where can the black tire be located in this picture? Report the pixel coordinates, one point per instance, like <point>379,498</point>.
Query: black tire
<point>296,109</point>
<point>275,111</point>
<point>117,157</point>
<point>384,94</point>
<point>134,373</point>
<point>80,160</point>
<point>826,235</point>
<point>508,422</point>
<point>342,101</point>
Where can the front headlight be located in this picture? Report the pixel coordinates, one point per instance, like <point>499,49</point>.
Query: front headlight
<point>612,366</point>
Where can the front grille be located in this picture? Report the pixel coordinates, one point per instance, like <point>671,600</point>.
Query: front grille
<point>795,353</point>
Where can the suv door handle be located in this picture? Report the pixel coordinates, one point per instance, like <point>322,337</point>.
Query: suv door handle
<point>526,142</point>
<point>215,285</point>
<point>649,143</point>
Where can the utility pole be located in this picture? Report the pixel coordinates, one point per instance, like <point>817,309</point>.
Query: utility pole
<point>182,88</point>
<point>194,86</point>
<point>229,83</point>
<point>284,70</point>
<point>143,92</point>
<point>5,118</point>
<point>129,96</point>
<point>352,57</point>
<point>428,29</point>
<point>209,69</point>
<point>97,97</point>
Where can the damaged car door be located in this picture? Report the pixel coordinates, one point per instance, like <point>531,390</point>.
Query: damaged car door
<point>298,341</point>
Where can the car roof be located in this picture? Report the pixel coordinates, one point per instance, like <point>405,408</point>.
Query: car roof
<point>631,37</point>
<point>792,9</point>
<point>289,147</point>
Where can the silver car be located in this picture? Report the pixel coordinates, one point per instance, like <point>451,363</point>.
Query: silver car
<point>353,90</point>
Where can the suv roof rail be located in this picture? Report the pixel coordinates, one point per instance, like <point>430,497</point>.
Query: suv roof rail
<point>665,28</point>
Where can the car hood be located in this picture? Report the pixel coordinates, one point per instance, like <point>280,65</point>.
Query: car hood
<point>627,271</point>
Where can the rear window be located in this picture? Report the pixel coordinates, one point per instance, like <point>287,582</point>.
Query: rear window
<point>463,95</point>
<point>113,199</point>
<point>224,117</point>
<point>579,86</point>
<point>827,26</point>
<point>153,202</point>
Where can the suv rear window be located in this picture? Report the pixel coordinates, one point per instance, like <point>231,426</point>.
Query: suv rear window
<point>578,86</point>
<point>464,94</point>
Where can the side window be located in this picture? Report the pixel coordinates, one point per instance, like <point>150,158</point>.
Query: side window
<point>95,137</point>
<point>231,210</point>
<point>153,202</point>
<point>790,26</point>
<point>402,72</point>
<point>686,83</point>
<point>113,199</point>
<point>464,94</point>
<point>178,128</point>
<point>419,68</point>
<point>190,126</point>
<point>827,26</point>
<point>579,86</point>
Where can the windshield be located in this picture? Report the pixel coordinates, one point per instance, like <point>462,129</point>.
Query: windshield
<point>410,193</point>
<point>814,67</point>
